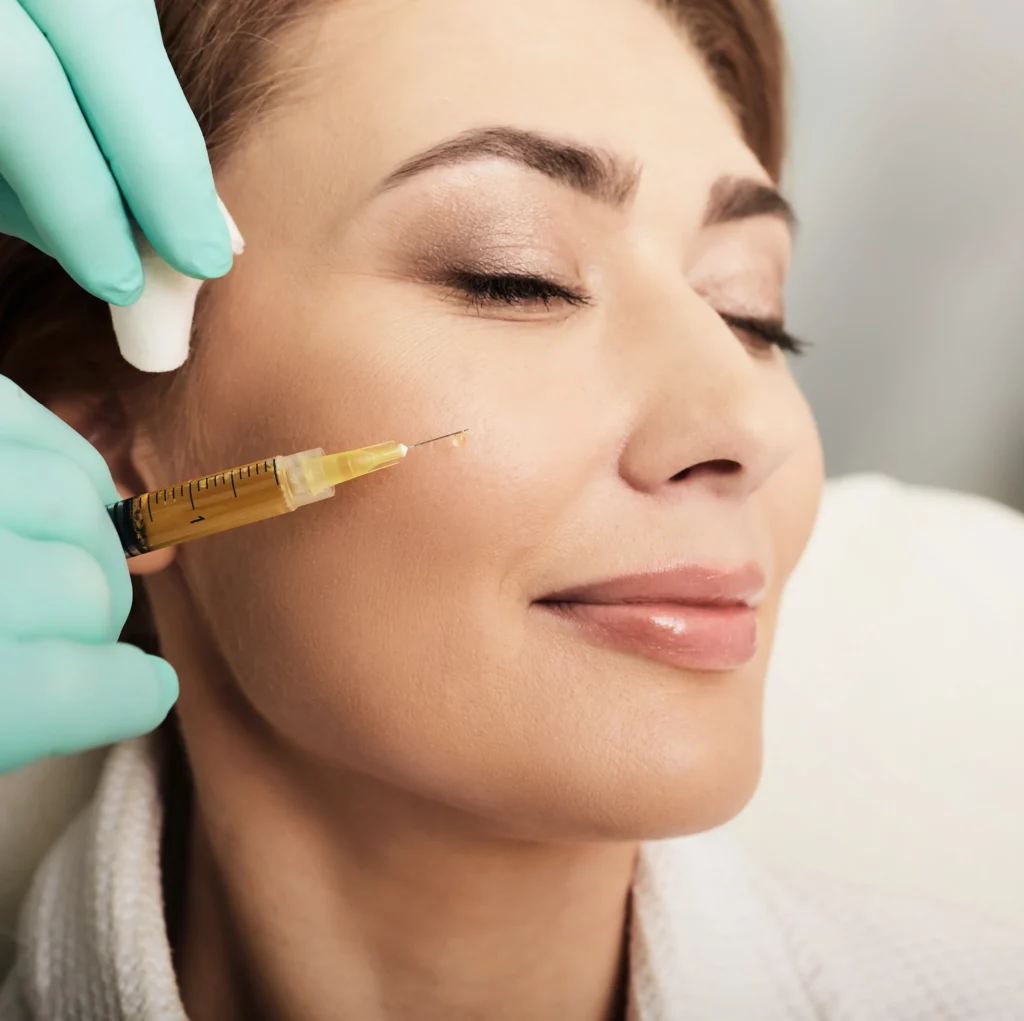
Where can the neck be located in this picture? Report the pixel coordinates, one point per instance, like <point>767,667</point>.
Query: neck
<point>315,892</point>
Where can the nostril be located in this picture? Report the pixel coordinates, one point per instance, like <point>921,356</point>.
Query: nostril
<point>719,467</point>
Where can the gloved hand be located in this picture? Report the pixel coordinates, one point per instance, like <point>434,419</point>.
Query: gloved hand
<point>65,682</point>
<point>90,111</point>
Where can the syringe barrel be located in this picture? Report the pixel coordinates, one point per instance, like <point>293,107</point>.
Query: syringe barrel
<point>241,496</point>
<point>215,503</point>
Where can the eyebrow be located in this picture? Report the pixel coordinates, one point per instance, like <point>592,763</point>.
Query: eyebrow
<point>591,171</point>
<point>740,198</point>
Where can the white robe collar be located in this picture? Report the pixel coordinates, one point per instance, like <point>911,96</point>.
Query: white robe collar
<point>714,936</point>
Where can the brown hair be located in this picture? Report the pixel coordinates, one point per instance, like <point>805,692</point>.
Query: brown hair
<point>56,340</point>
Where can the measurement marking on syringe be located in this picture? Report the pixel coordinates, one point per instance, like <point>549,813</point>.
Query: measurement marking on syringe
<point>276,479</point>
<point>149,507</point>
<point>191,499</point>
<point>233,490</point>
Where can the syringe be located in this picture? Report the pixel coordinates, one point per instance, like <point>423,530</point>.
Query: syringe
<point>252,492</point>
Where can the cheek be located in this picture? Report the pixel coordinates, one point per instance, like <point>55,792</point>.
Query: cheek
<point>792,496</point>
<point>410,585</point>
<point>362,359</point>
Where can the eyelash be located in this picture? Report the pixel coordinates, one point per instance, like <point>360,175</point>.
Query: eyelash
<point>520,289</point>
<point>513,289</point>
<point>765,331</point>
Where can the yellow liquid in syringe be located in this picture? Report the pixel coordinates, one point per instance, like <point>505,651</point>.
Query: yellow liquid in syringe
<point>246,494</point>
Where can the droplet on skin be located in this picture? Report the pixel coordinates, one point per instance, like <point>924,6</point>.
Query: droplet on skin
<point>459,440</point>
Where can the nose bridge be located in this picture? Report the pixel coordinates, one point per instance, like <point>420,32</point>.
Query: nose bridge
<point>710,413</point>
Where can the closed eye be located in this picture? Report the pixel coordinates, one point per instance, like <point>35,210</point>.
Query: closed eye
<point>766,331</point>
<point>524,290</point>
<point>516,289</point>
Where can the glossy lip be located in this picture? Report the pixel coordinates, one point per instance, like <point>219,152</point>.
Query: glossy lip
<point>692,617</point>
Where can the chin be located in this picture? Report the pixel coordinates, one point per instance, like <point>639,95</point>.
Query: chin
<point>642,796</point>
<point>682,806</point>
<point>657,760</point>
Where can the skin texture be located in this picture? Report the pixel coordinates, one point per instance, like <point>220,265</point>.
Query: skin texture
<point>417,794</point>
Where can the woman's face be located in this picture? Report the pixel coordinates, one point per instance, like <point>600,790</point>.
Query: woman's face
<point>618,426</point>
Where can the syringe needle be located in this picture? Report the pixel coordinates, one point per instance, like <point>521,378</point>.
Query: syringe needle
<point>437,439</point>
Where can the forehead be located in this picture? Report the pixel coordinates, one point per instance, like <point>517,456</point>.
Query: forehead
<point>380,80</point>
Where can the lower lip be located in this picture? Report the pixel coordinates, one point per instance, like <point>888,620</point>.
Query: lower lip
<point>685,637</point>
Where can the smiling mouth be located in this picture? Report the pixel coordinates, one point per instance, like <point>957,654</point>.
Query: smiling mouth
<point>691,618</point>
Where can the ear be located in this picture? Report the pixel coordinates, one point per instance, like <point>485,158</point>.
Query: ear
<point>103,423</point>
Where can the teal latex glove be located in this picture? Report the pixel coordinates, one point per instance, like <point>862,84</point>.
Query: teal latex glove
<point>66,684</point>
<point>90,111</point>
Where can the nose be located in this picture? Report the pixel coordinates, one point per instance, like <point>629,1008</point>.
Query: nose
<point>715,413</point>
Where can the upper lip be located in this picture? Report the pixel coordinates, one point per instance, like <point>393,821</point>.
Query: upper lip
<point>688,585</point>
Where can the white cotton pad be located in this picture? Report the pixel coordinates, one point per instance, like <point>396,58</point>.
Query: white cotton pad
<point>154,333</point>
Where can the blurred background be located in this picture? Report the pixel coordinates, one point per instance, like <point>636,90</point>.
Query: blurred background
<point>907,171</point>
